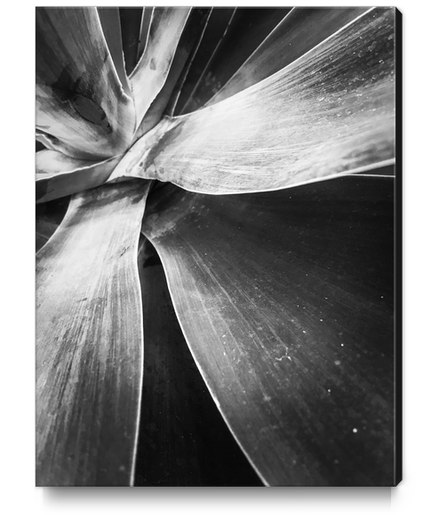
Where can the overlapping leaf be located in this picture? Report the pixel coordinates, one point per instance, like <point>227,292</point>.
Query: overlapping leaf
<point>329,112</point>
<point>131,24</point>
<point>240,33</point>
<point>183,440</point>
<point>111,24</point>
<point>196,22</point>
<point>295,35</point>
<point>286,301</point>
<point>80,99</point>
<point>152,70</point>
<point>212,36</point>
<point>285,298</point>
<point>59,175</point>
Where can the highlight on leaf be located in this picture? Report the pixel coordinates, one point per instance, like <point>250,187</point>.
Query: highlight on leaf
<point>298,125</point>
<point>150,74</point>
<point>59,175</point>
<point>211,309</point>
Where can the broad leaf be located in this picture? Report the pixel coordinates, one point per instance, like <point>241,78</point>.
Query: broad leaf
<point>89,341</point>
<point>329,112</point>
<point>286,301</point>
<point>183,440</point>
<point>79,98</point>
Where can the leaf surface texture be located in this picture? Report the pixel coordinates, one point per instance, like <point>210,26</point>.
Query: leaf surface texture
<point>89,341</point>
<point>286,301</point>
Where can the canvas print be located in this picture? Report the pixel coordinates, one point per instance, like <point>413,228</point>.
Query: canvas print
<point>218,246</point>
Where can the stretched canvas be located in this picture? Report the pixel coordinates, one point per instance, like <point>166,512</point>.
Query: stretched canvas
<point>218,246</point>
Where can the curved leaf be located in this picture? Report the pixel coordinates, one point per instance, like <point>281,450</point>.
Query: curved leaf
<point>131,19</point>
<point>247,28</point>
<point>212,36</point>
<point>286,301</point>
<point>52,143</point>
<point>144,30</point>
<point>184,77</point>
<point>48,217</point>
<point>79,97</point>
<point>110,20</point>
<point>89,341</point>
<point>59,175</point>
<point>329,112</point>
<point>299,31</point>
<point>183,440</point>
<point>191,32</point>
<point>150,74</point>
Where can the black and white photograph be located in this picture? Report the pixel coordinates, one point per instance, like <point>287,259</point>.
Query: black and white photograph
<point>218,246</point>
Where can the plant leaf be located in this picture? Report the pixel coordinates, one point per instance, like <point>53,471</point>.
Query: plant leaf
<point>286,301</point>
<point>79,97</point>
<point>131,18</point>
<point>181,83</point>
<point>58,175</point>
<point>192,30</point>
<point>48,217</point>
<point>329,112</point>
<point>52,143</point>
<point>247,28</point>
<point>140,152</point>
<point>183,440</point>
<point>299,31</point>
<point>150,74</point>
<point>110,20</point>
<point>89,341</point>
<point>216,29</point>
<point>144,30</point>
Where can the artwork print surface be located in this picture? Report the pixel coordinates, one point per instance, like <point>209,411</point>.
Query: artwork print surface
<point>218,252</point>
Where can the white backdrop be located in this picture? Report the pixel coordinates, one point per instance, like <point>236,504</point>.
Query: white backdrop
<point>17,335</point>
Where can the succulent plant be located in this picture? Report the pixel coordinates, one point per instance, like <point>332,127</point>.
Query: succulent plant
<point>231,176</point>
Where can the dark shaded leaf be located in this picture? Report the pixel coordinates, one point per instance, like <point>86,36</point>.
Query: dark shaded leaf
<point>79,98</point>
<point>111,25</point>
<point>40,146</point>
<point>131,18</point>
<point>182,81</point>
<point>245,31</point>
<point>48,217</point>
<point>299,31</point>
<point>89,341</point>
<point>183,440</point>
<point>286,301</point>
<point>214,33</point>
